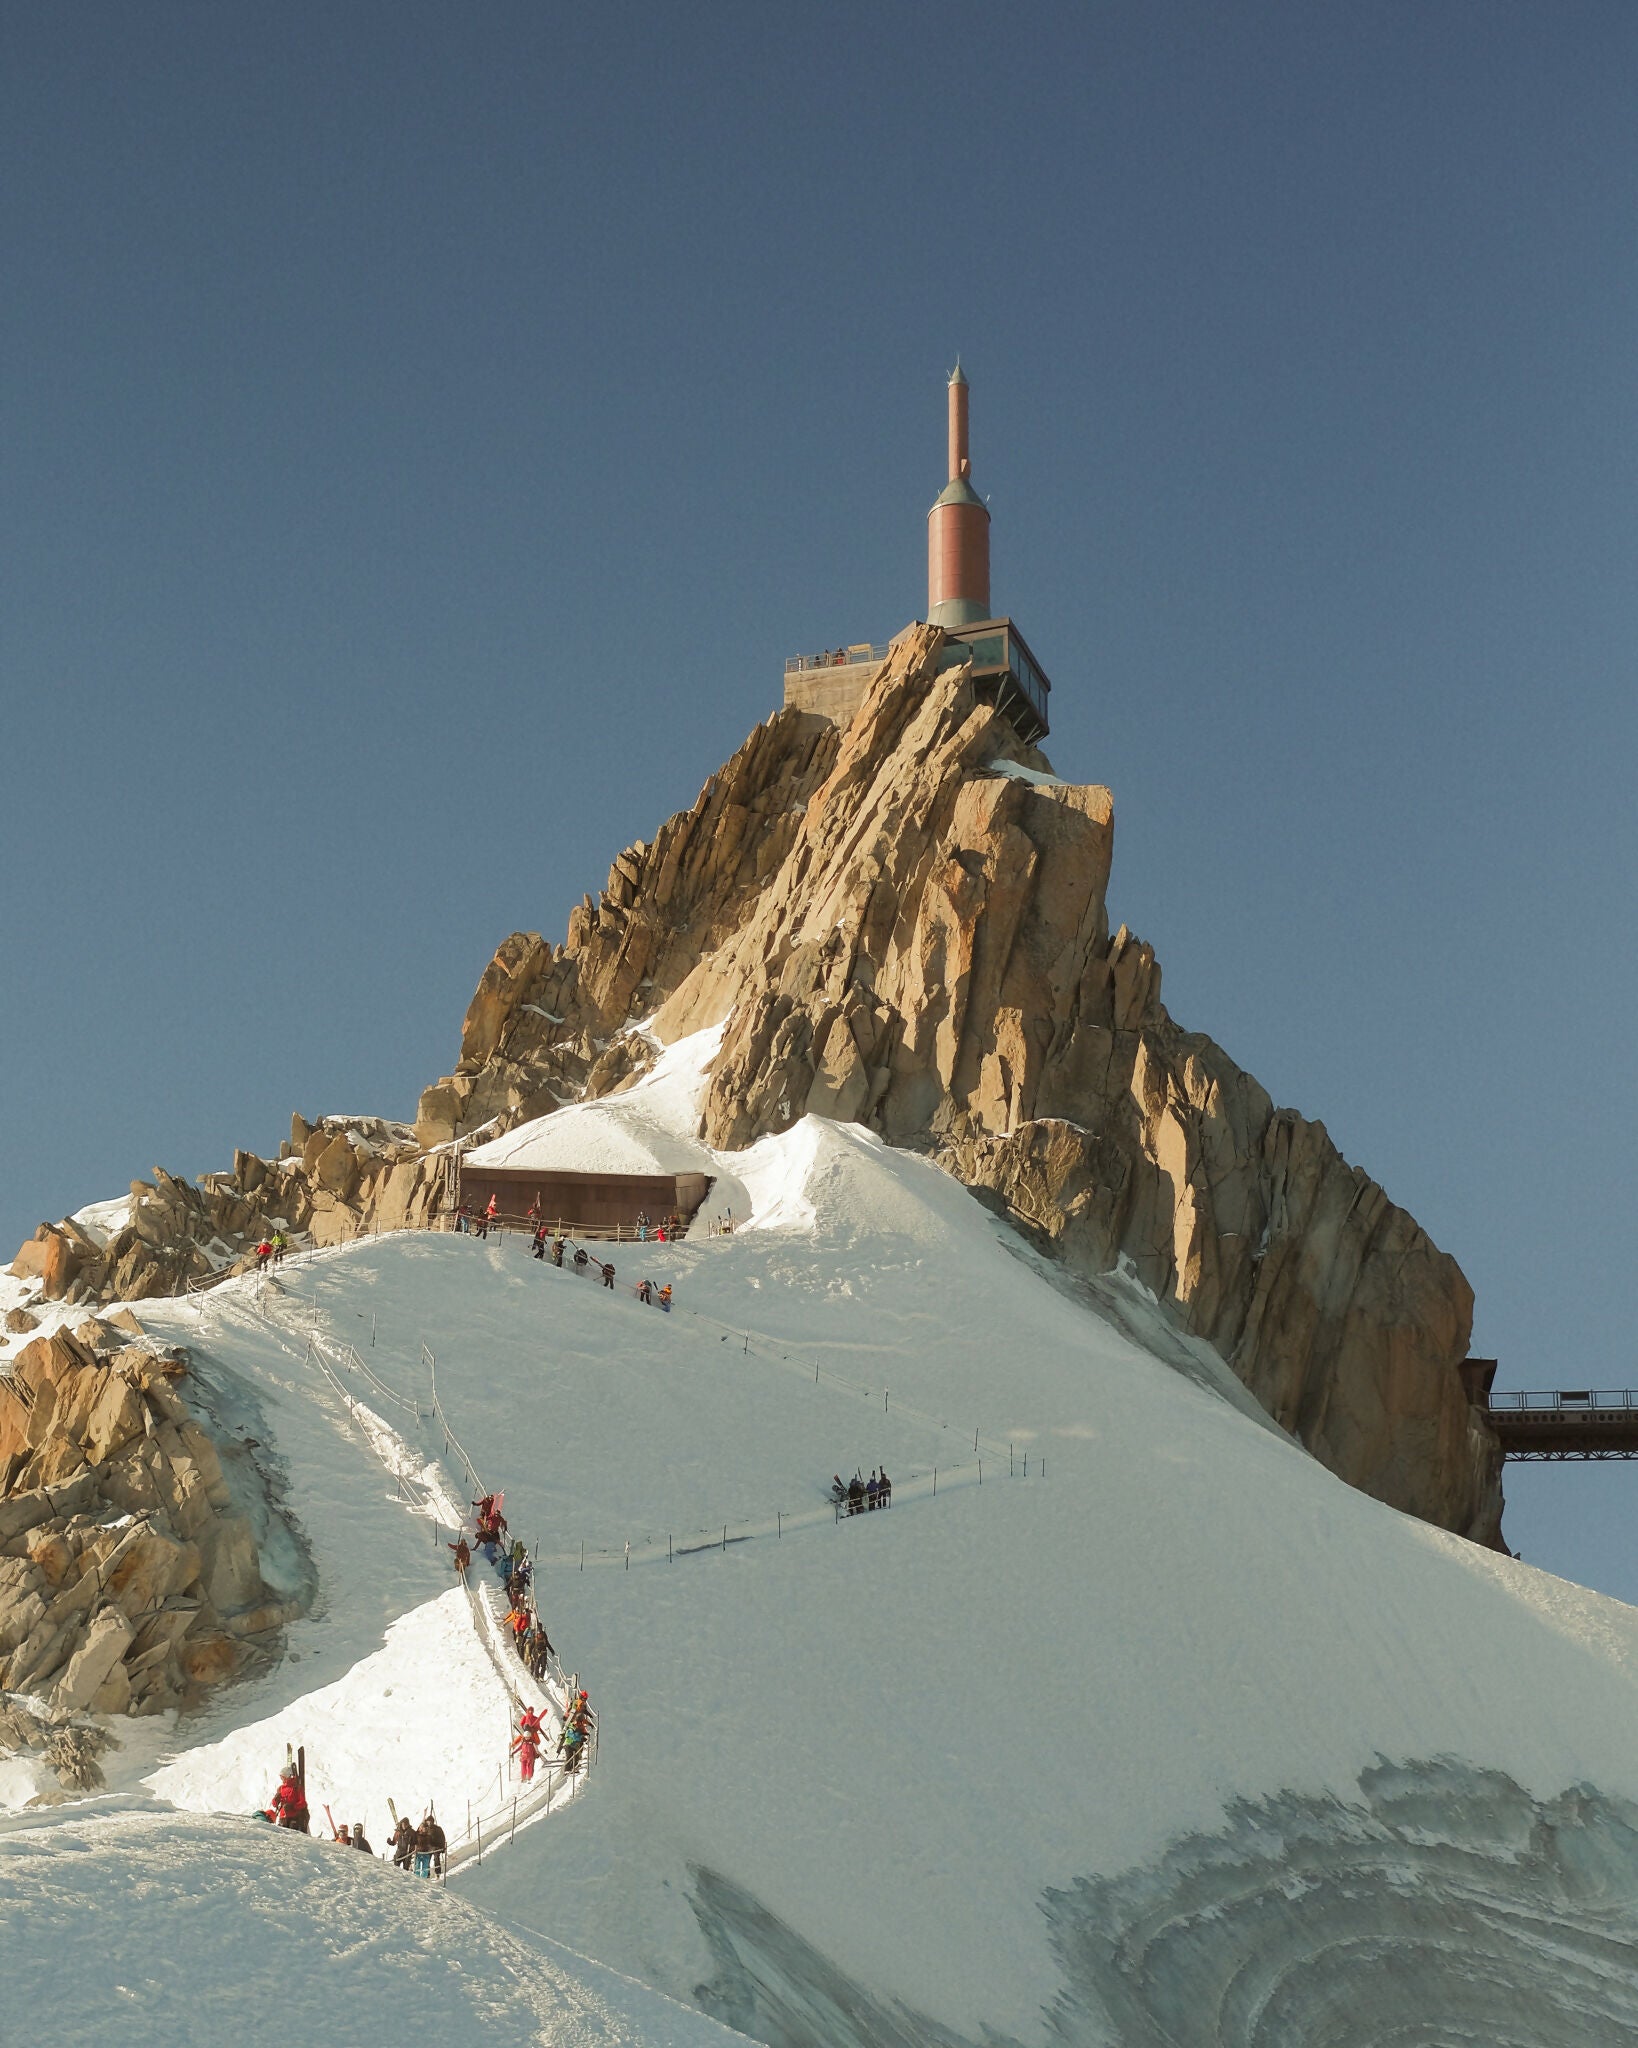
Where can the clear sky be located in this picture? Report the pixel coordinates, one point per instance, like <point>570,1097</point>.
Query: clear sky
<point>426,430</point>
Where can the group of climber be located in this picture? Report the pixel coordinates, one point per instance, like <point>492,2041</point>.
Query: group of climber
<point>490,1524</point>
<point>577,1723</point>
<point>271,1250</point>
<point>419,1849</point>
<point>477,1222</point>
<point>858,1495</point>
<point>664,1232</point>
<point>422,1848</point>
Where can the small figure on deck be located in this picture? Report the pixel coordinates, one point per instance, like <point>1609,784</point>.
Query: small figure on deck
<point>884,1491</point>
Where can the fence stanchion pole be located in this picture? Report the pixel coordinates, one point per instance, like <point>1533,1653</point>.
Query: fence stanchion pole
<point>725,1539</point>
<point>981,1471</point>
<point>779,1521</point>
<point>582,1553</point>
<point>935,1482</point>
<point>669,1558</point>
<point>975,1443</point>
<point>628,1556</point>
<point>1011,1474</point>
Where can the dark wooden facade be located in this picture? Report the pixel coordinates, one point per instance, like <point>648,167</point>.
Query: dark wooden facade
<point>585,1201</point>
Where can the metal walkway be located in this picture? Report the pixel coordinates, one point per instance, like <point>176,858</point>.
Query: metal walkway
<point>1558,1424</point>
<point>1566,1424</point>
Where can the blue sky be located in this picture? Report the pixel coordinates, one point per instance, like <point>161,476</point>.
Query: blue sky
<point>426,430</point>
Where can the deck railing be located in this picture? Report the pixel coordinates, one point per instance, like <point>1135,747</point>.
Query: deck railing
<point>1573,1401</point>
<point>838,657</point>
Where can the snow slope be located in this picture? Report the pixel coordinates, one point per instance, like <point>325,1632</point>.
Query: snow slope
<point>1176,1741</point>
<point>153,1929</point>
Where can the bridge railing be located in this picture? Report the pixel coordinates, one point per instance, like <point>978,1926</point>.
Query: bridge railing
<point>1562,1400</point>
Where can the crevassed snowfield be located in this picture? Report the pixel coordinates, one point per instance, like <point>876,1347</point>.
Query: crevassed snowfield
<point>1183,1742</point>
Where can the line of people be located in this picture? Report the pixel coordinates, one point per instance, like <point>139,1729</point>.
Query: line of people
<point>858,1495</point>
<point>421,1847</point>
<point>529,1638</point>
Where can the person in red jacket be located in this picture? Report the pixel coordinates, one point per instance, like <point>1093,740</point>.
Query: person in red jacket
<point>290,1802</point>
<point>527,1743</point>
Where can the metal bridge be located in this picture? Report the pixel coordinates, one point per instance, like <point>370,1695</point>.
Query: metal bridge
<point>1559,1424</point>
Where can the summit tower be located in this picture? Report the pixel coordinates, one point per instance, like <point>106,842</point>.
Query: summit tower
<point>1004,672</point>
<point>958,530</point>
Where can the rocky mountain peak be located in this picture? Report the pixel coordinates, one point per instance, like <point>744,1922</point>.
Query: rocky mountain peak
<point>903,922</point>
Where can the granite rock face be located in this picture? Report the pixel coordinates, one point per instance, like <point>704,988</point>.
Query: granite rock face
<point>128,1582</point>
<point>933,957</point>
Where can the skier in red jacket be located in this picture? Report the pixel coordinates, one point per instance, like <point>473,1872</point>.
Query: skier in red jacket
<point>290,1802</point>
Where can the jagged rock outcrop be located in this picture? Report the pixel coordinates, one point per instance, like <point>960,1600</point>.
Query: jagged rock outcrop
<point>543,1027</point>
<point>128,1581</point>
<point>905,923</point>
<point>339,1178</point>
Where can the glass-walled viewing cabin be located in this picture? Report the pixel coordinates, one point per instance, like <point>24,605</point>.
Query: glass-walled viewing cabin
<point>1005,673</point>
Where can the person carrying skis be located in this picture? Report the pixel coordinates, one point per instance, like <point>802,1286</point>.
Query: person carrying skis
<point>608,1275</point>
<point>429,1842</point>
<point>539,1240</point>
<point>581,1260</point>
<point>290,1802</point>
<point>557,1252</point>
<point>526,1744</point>
<point>403,1843</point>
